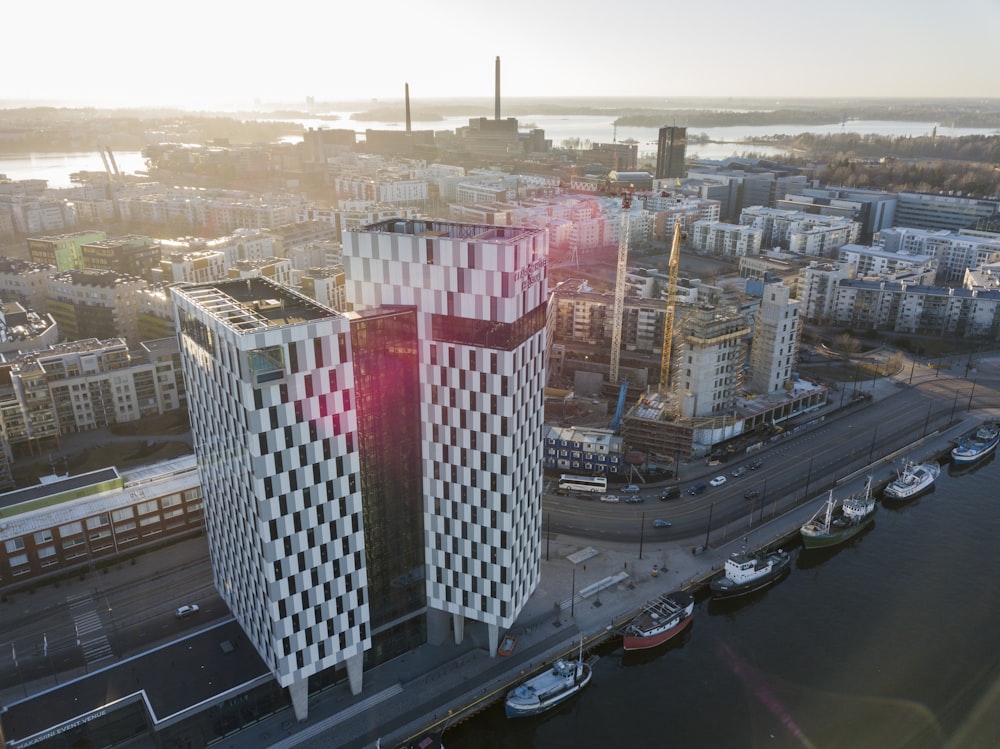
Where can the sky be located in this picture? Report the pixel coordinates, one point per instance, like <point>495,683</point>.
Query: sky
<point>223,54</point>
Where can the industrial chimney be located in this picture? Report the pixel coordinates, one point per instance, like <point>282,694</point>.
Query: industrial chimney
<point>407,107</point>
<point>497,104</point>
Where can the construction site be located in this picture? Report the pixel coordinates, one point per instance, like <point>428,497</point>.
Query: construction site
<point>693,393</point>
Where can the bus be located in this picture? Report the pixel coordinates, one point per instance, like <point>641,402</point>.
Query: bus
<point>569,482</point>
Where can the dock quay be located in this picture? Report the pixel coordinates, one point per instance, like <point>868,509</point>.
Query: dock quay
<point>588,588</point>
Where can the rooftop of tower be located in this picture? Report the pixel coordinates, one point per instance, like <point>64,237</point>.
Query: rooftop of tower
<point>252,304</point>
<point>453,230</point>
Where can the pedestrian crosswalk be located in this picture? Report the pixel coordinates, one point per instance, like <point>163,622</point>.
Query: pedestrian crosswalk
<point>89,628</point>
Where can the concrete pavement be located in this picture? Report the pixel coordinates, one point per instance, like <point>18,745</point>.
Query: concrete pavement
<point>585,588</point>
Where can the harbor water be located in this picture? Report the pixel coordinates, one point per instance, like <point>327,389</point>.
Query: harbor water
<point>889,641</point>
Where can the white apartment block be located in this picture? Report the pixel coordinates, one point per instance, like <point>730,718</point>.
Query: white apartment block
<point>590,234</point>
<point>480,192</point>
<point>88,384</point>
<point>876,261</point>
<point>325,285</point>
<point>955,251</point>
<point>479,294</point>
<point>774,351</point>
<point>726,240</point>
<point>278,270</point>
<point>95,304</point>
<point>818,289</point>
<point>801,233</point>
<point>924,310</point>
<point>25,281</point>
<point>191,267</point>
<point>33,215</point>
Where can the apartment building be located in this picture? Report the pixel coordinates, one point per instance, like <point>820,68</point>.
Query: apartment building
<point>710,359</point>
<point>775,347</point>
<point>64,251</point>
<point>955,251</point>
<point>95,304</point>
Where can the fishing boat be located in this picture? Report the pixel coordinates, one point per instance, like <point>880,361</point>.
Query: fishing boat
<point>549,688</point>
<point>660,619</point>
<point>747,572</point>
<point>913,479</point>
<point>838,521</point>
<point>977,446</point>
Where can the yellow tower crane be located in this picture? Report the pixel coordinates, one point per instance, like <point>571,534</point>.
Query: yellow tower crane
<point>668,320</point>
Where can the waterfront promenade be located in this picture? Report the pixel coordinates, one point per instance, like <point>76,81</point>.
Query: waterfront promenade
<point>586,587</point>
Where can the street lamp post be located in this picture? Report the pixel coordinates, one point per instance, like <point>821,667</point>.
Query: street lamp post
<point>548,537</point>
<point>871,452</point>
<point>642,528</point>
<point>969,408</point>
<point>808,477</point>
<point>572,598</point>
<point>928,419</point>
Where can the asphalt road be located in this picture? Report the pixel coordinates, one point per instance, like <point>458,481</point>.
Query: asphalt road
<point>794,469</point>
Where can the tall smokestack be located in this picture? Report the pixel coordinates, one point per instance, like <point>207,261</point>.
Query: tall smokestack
<point>497,104</point>
<point>407,107</point>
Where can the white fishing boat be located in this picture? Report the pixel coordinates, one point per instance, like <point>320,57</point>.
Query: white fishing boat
<point>552,687</point>
<point>977,445</point>
<point>913,479</point>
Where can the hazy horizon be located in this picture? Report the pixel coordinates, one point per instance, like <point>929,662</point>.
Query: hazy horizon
<point>197,55</point>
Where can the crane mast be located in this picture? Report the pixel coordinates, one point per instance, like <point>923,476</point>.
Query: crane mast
<point>668,320</point>
<point>619,312</point>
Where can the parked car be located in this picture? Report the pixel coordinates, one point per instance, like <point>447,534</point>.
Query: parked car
<point>739,472</point>
<point>630,489</point>
<point>718,481</point>
<point>698,488</point>
<point>635,499</point>
<point>183,612</point>
<point>752,494</point>
<point>609,498</point>
<point>659,523</point>
<point>672,493</point>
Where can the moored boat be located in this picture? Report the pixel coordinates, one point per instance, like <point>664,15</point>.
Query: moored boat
<point>838,521</point>
<point>552,687</point>
<point>913,479</point>
<point>976,446</point>
<point>747,572</point>
<point>661,619</point>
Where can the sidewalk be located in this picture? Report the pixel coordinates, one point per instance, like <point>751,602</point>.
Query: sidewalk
<point>585,587</point>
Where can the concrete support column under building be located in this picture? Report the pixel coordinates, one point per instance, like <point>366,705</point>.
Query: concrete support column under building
<point>299,692</point>
<point>459,625</point>
<point>355,672</point>
<point>494,631</point>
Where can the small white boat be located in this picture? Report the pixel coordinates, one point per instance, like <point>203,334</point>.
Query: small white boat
<point>913,479</point>
<point>549,688</point>
<point>977,446</point>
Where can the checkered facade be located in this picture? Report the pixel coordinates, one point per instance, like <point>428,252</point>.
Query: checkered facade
<point>275,432</point>
<point>480,293</point>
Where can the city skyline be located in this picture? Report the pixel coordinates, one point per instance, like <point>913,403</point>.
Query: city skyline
<point>204,56</point>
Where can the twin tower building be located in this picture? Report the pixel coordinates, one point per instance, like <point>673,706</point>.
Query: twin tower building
<point>372,478</point>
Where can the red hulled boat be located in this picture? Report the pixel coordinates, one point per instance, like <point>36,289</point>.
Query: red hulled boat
<point>660,620</point>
